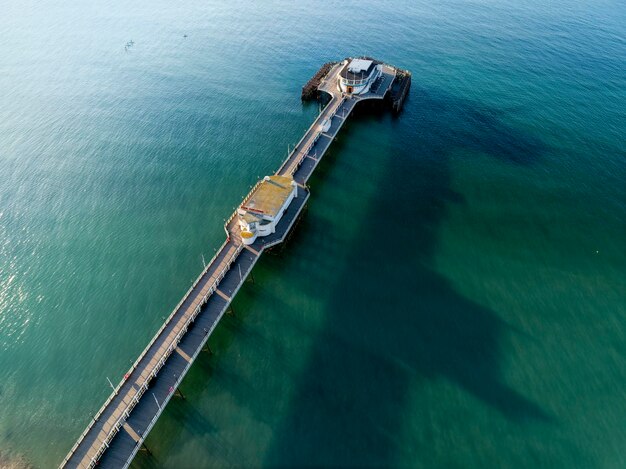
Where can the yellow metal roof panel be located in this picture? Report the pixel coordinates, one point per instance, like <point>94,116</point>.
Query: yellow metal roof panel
<point>269,196</point>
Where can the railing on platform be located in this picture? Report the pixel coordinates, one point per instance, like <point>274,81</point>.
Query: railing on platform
<point>154,371</point>
<point>306,134</point>
<point>363,81</point>
<point>305,152</point>
<point>234,214</point>
<point>181,376</point>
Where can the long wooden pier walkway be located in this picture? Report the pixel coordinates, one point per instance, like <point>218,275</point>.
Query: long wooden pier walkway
<point>115,435</point>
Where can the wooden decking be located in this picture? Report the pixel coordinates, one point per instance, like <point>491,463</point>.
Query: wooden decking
<point>116,433</point>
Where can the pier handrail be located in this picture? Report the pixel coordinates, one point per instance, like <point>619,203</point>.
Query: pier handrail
<point>315,123</point>
<point>112,396</point>
<point>234,214</point>
<point>284,163</point>
<point>154,338</point>
<point>345,81</point>
<point>174,342</point>
<point>178,380</point>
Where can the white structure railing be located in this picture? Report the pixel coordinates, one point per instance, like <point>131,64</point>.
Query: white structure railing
<point>169,395</point>
<point>362,81</point>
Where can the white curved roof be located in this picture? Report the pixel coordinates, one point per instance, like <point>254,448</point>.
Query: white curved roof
<point>359,65</point>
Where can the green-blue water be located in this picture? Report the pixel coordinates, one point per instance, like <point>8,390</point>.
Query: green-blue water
<point>454,297</point>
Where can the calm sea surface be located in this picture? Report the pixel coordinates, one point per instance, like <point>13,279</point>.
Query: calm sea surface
<point>454,297</point>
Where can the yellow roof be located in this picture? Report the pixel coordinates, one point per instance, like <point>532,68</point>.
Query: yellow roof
<point>269,196</point>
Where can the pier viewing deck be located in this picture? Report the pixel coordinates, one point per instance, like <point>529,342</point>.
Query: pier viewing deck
<point>116,433</point>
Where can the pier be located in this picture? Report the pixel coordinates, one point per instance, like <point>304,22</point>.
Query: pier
<point>118,430</point>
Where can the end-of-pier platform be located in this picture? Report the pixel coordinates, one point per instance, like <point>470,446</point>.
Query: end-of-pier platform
<point>117,432</point>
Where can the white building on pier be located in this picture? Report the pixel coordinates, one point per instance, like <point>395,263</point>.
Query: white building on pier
<point>358,75</point>
<point>263,208</point>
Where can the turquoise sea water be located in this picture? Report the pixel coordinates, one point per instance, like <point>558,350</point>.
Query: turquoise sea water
<point>454,297</point>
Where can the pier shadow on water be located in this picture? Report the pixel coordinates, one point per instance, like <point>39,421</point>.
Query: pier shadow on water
<point>389,331</point>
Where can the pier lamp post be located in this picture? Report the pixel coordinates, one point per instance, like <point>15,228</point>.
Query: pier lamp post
<point>157,402</point>
<point>111,384</point>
